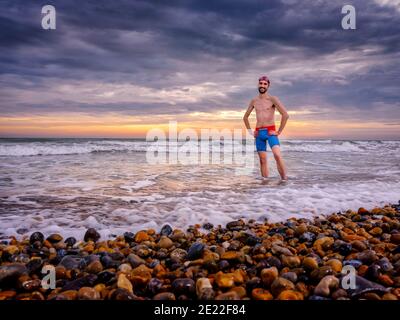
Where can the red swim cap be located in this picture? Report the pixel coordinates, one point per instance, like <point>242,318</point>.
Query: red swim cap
<point>265,78</point>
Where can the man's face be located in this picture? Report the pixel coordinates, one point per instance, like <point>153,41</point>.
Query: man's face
<point>262,86</point>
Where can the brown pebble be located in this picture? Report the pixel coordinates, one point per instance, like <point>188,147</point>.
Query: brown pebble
<point>70,294</point>
<point>164,296</point>
<point>165,242</point>
<point>230,295</point>
<point>61,272</point>
<point>94,267</point>
<point>88,293</point>
<point>280,284</point>
<point>322,244</point>
<point>241,292</point>
<point>31,285</point>
<point>385,280</point>
<point>54,238</point>
<point>12,249</point>
<point>310,263</point>
<point>89,247</point>
<point>141,236</point>
<point>291,261</point>
<point>375,231</point>
<point>124,283</point>
<point>300,229</point>
<point>7,295</point>
<point>229,255</point>
<point>371,296</point>
<point>36,295</point>
<point>204,289</point>
<point>359,245</point>
<point>141,275</point>
<point>261,294</point>
<point>395,238</point>
<point>339,293</point>
<point>362,270</point>
<point>290,295</point>
<point>268,275</point>
<point>363,211</point>
<point>99,287</point>
<point>335,264</point>
<point>125,268</point>
<point>326,285</point>
<point>239,276</point>
<point>389,296</point>
<point>224,280</point>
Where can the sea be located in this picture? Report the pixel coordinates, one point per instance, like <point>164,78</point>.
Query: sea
<point>115,185</point>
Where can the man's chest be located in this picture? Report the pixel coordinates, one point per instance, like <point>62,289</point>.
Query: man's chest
<point>264,105</point>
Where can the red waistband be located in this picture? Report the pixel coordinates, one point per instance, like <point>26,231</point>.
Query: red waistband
<point>267,127</point>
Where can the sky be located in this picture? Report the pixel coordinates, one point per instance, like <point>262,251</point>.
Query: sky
<point>121,68</point>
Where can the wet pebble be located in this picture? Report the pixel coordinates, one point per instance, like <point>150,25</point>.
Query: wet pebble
<point>54,238</point>
<point>178,254</point>
<point>184,286</point>
<point>166,230</point>
<point>36,237</point>
<point>11,272</point>
<point>326,285</point>
<point>124,283</point>
<point>291,276</point>
<point>280,284</point>
<point>268,275</point>
<point>204,289</point>
<point>165,242</point>
<point>129,237</point>
<point>91,235</point>
<point>70,241</point>
<point>88,293</point>
<point>164,296</point>
<point>135,260</point>
<point>154,285</point>
<point>71,262</point>
<point>94,267</point>
<point>261,294</point>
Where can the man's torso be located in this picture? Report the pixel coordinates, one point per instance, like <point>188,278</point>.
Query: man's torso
<point>265,111</point>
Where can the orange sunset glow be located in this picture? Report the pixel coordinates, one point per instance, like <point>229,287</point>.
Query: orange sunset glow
<point>114,126</point>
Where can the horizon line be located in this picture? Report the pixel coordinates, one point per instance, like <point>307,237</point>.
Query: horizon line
<point>144,138</point>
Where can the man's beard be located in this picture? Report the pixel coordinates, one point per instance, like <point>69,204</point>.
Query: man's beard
<point>262,90</point>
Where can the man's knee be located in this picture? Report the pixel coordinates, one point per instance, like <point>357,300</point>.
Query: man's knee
<point>276,152</point>
<point>263,158</point>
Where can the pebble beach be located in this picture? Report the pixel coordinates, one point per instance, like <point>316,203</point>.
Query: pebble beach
<point>296,259</point>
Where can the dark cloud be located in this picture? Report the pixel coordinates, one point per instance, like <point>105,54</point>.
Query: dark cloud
<point>164,45</point>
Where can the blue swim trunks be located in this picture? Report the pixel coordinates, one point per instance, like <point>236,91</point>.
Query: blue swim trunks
<point>262,137</point>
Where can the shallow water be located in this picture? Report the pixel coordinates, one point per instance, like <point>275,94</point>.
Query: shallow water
<point>68,185</point>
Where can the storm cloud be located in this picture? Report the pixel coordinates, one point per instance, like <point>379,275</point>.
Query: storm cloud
<point>176,57</point>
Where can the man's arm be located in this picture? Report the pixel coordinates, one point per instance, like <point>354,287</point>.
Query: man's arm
<point>282,110</point>
<point>246,116</point>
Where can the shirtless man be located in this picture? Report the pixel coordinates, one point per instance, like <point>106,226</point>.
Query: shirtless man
<point>265,106</point>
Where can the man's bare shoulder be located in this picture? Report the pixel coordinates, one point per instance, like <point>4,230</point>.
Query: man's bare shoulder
<point>274,98</point>
<point>254,99</point>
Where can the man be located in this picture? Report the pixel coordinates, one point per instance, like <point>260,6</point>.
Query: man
<point>265,106</point>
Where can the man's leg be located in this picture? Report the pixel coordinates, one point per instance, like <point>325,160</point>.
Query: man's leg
<point>276,150</point>
<point>263,163</point>
<point>261,146</point>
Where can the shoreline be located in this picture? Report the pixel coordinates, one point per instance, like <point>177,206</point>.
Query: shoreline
<point>296,259</point>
